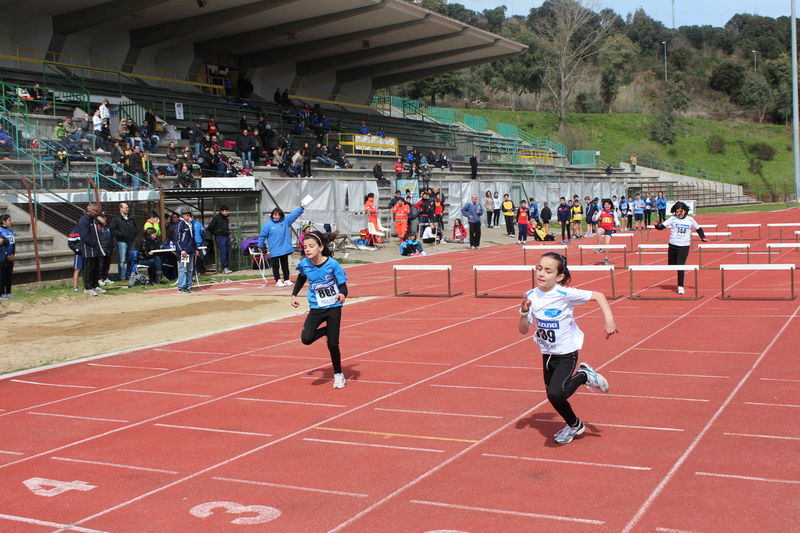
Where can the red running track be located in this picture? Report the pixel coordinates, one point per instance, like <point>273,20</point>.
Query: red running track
<point>443,425</point>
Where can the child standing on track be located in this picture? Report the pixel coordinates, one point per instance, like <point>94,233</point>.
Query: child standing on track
<point>607,222</point>
<point>680,237</point>
<point>576,217</point>
<point>549,308</point>
<point>522,222</point>
<point>327,290</point>
<point>563,214</point>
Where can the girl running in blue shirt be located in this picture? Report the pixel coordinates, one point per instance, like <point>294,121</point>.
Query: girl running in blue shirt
<point>327,290</point>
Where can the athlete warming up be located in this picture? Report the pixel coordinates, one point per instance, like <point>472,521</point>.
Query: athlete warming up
<point>680,237</point>
<point>549,308</point>
<point>327,290</point>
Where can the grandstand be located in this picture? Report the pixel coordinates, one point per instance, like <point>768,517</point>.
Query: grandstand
<point>339,59</point>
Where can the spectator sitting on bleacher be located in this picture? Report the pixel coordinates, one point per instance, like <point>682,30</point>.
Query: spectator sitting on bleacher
<point>432,158</point>
<point>212,126</point>
<point>363,129</point>
<point>70,127</point>
<point>150,117</point>
<point>188,155</point>
<point>288,143</point>
<point>85,130</point>
<point>172,154</point>
<point>413,172</point>
<point>185,179</point>
<point>325,122</point>
<point>60,132</point>
<point>277,157</point>
<point>410,157</point>
<point>133,134</point>
<point>285,100</point>
<point>380,132</point>
<point>122,131</point>
<point>5,143</point>
<point>300,128</point>
<point>377,171</point>
<point>224,169</point>
<point>195,139</point>
<point>302,162</point>
<point>245,148</point>
<point>210,162</point>
<point>243,123</point>
<point>444,162</point>
<point>319,154</point>
<point>277,96</point>
<point>338,155</point>
<point>149,139</point>
<point>214,143</point>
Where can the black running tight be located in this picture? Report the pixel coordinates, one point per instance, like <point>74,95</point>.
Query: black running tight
<point>677,255</point>
<point>280,263</point>
<point>561,383</point>
<point>332,316</point>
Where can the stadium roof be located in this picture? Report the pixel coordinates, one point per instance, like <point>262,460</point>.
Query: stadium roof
<point>382,42</point>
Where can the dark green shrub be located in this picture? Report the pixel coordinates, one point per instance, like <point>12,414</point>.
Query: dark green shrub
<point>716,144</point>
<point>755,166</point>
<point>762,150</point>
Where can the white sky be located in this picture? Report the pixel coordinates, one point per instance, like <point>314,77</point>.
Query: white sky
<point>687,13</point>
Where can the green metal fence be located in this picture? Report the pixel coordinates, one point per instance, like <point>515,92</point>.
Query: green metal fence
<point>682,170</point>
<point>583,158</point>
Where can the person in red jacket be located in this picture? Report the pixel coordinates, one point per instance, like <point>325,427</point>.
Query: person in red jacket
<point>459,231</point>
<point>607,223</point>
<point>401,210</point>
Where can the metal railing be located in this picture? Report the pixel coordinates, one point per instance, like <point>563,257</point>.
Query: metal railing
<point>354,143</point>
<point>682,170</point>
<point>11,100</point>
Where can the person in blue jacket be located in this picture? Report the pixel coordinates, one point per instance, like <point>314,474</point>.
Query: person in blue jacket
<point>363,129</point>
<point>185,250</point>
<point>199,236</point>
<point>7,256</point>
<point>661,205</point>
<point>277,236</point>
<point>564,214</point>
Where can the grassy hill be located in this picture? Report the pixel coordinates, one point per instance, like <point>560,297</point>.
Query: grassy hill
<point>620,133</point>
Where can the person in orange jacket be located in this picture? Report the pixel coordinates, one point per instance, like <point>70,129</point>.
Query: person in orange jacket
<point>401,211</point>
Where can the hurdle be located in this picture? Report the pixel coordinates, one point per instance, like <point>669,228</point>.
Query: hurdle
<point>778,246</point>
<point>619,235</point>
<point>532,268</point>
<point>780,229</point>
<point>715,234</point>
<point>789,267</point>
<point>447,268</point>
<point>643,247</point>
<point>657,268</point>
<point>619,247</point>
<point>741,230</point>
<point>560,248</point>
<point>705,246</point>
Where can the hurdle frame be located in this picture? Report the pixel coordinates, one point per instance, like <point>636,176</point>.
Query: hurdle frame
<point>610,247</point>
<point>650,246</point>
<point>778,246</point>
<point>729,246</point>
<point>741,231</point>
<point>448,268</point>
<point>521,268</point>
<point>656,268</point>
<point>776,266</point>
<point>548,247</point>
<point>780,230</point>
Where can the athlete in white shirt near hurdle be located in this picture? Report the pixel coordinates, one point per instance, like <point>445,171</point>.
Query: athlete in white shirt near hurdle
<point>550,307</point>
<point>680,237</point>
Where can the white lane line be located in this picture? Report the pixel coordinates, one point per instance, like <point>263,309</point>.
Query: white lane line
<point>749,478</point>
<point>406,362</point>
<point>668,530</point>
<point>189,351</point>
<point>776,379</point>
<point>287,401</point>
<point>772,404</point>
<point>685,456</point>
<point>52,384</point>
<point>665,374</point>
<point>612,425</point>
<point>128,366</point>
<point>163,392</point>
<point>49,524</point>
<point>234,373</point>
<point>582,463</point>
<point>290,356</point>
<point>513,513</point>
<point>351,380</point>
<point>434,413</point>
<point>11,453</point>
<point>761,436</point>
<point>483,388</point>
<point>80,417</point>
<point>129,467</point>
<point>609,395</point>
<point>294,487</point>
<point>509,367</point>
<point>215,430</point>
<point>374,445</point>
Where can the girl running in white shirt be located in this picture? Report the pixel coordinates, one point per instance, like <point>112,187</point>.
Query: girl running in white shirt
<point>680,237</point>
<point>549,308</point>
<point>327,290</point>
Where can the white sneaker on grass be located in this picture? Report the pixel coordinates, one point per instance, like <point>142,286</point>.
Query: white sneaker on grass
<point>89,292</point>
<point>680,290</point>
<point>594,381</point>
<point>108,282</point>
<point>101,282</point>
<point>568,433</point>
<point>99,290</point>
<point>339,381</point>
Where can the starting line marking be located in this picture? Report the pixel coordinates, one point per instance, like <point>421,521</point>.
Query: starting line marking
<point>288,401</point>
<point>11,453</point>
<point>508,367</point>
<point>127,366</point>
<point>406,362</point>
<point>50,524</point>
<point>777,379</point>
<point>650,397</point>
<point>514,513</point>
<point>613,425</point>
<point>351,380</point>
<point>761,436</point>
<point>129,467</point>
<point>306,489</point>
<point>696,351</point>
<point>374,445</point>
<point>434,413</point>
<point>667,530</point>
<point>771,404</point>
<point>52,384</point>
<point>666,374</point>
<point>215,430</point>
<point>163,392</point>
<point>582,463</point>
<point>749,478</point>
<point>234,373</point>
<point>190,351</point>
<point>483,388</point>
<point>80,417</point>
<point>390,435</point>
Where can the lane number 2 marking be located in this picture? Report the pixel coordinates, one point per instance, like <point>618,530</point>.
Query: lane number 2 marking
<point>263,513</point>
<point>37,484</point>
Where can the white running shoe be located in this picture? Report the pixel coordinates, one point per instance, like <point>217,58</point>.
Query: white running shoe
<point>109,282</point>
<point>90,292</point>
<point>598,250</point>
<point>288,283</point>
<point>280,283</point>
<point>99,290</point>
<point>423,253</point>
<point>101,282</point>
<point>594,381</point>
<point>680,290</point>
<point>566,435</point>
<point>339,381</point>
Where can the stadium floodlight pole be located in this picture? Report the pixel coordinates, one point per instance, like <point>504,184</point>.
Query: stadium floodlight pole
<point>755,61</point>
<point>795,127</point>
<point>665,57</point>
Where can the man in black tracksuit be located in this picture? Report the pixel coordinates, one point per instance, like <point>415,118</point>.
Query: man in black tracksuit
<point>219,228</point>
<point>124,229</point>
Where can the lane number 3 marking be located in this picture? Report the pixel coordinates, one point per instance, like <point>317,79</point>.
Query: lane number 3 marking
<point>263,513</point>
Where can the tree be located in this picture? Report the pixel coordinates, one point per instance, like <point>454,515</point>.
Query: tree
<point>680,58</point>
<point>569,34</point>
<point>516,75</point>
<point>495,18</point>
<point>755,94</point>
<point>448,83</point>
<point>677,99</point>
<point>647,32</point>
<point>609,86</point>
<point>727,77</point>
<point>664,131</point>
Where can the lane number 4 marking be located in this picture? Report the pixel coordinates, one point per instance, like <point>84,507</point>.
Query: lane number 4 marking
<point>37,484</point>
<point>263,513</point>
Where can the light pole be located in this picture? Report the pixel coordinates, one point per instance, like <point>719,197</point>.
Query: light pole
<point>665,59</point>
<point>755,62</point>
<point>795,118</point>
